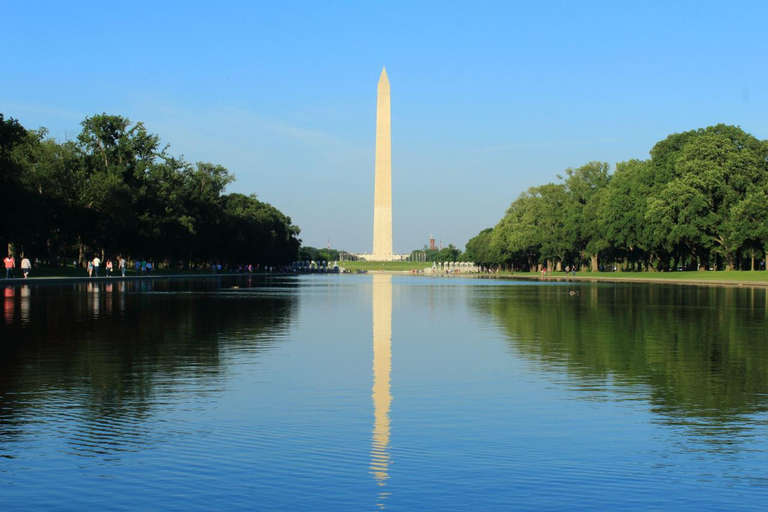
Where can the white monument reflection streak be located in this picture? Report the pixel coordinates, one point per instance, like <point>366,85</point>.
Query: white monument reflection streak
<point>382,368</point>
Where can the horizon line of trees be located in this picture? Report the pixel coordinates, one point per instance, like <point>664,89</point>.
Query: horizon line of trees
<point>115,190</point>
<point>308,253</point>
<point>700,201</point>
<point>445,254</point>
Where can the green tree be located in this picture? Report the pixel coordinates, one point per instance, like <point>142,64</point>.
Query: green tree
<point>723,163</point>
<point>746,226</point>
<point>517,237</point>
<point>622,210</point>
<point>114,190</point>
<point>680,218</point>
<point>480,250</point>
<point>584,187</point>
<point>12,193</point>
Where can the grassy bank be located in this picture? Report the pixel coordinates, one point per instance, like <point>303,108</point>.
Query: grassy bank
<point>49,272</point>
<point>389,266</point>
<point>720,276</point>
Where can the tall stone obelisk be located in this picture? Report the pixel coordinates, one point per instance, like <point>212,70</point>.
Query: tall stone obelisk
<point>382,193</point>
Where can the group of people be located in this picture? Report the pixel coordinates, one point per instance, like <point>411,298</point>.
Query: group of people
<point>249,268</point>
<point>143,267</point>
<point>10,264</point>
<point>95,264</point>
<point>568,270</point>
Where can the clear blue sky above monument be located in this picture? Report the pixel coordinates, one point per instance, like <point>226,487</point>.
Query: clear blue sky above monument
<point>488,98</point>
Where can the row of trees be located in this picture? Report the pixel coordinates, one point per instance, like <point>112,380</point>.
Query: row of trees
<point>700,201</point>
<point>116,189</point>
<point>307,253</point>
<point>450,253</point>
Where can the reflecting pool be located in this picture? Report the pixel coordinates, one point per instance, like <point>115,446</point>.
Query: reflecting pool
<point>382,392</point>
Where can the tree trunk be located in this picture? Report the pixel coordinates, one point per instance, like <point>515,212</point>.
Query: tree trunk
<point>753,262</point>
<point>559,266</point>
<point>647,267</point>
<point>595,267</point>
<point>80,254</point>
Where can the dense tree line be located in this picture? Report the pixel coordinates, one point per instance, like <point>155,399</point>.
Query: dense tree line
<point>116,190</point>
<point>445,254</point>
<point>307,253</point>
<point>700,201</point>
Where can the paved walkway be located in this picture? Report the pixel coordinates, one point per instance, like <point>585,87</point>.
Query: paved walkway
<point>103,279</point>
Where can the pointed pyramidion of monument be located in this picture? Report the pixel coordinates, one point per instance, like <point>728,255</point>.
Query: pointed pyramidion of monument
<point>382,194</point>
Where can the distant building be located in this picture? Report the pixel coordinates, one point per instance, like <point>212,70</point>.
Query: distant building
<point>432,246</point>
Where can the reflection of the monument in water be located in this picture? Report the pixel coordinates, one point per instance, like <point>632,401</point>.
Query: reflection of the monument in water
<point>382,367</point>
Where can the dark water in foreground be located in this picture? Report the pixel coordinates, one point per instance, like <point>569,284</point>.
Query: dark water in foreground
<point>368,392</point>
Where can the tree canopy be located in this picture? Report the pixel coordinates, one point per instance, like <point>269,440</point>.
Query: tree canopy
<point>698,201</point>
<point>115,189</point>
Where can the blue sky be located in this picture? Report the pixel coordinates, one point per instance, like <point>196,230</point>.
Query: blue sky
<point>488,98</point>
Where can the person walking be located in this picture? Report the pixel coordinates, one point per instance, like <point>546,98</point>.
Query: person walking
<point>26,266</point>
<point>90,268</point>
<point>96,265</point>
<point>109,268</point>
<point>10,264</point>
<point>122,264</point>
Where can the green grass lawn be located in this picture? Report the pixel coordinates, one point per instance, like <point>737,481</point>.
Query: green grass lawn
<point>404,266</point>
<point>719,275</point>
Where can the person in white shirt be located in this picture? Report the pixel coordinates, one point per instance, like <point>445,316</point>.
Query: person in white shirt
<point>26,266</point>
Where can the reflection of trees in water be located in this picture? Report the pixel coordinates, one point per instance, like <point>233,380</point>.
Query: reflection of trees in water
<point>114,350</point>
<point>702,351</point>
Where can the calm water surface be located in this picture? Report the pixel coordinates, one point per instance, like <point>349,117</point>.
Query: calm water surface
<point>382,392</point>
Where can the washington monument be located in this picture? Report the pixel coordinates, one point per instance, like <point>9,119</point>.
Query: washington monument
<point>382,192</point>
